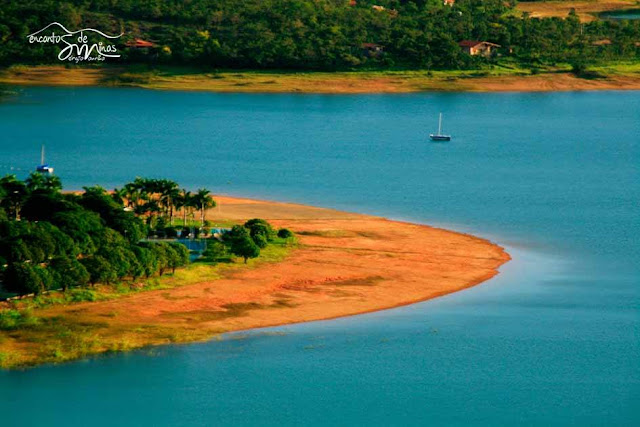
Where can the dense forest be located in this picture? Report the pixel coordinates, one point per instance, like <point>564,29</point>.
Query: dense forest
<point>317,34</point>
<point>55,240</point>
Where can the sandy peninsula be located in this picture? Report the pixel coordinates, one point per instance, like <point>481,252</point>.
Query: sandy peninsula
<point>344,264</point>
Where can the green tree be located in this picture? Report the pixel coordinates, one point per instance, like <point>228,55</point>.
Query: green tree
<point>203,201</point>
<point>169,193</point>
<point>18,251</point>
<point>15,194</point>
<point>26,278</point>
<point>83,227</point>
<point>162,255</point>
<point>178,256</point>
<point>259,226</point>
<point>68,272</point>
<point>183,202</point>
<point>245,247</point>
<point>41,245</point>
<point>97,200</point>
<point>215,251</point>
<point>146,260</point>
<point>40,205</point>
<point>63,245</point>
<point>99,269</point>
<point>43,182</point>
<point>236,232</point>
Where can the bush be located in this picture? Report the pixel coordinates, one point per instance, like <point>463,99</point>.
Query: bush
<point>285,233</point>
<point>215,251</point>
<point>260,226</point>
<point>260,240</point>
<point>162,255</point>
<point>80,295</point>
<point>578,68</point>
<point>11,319</point>
<point>236,232</point>
<point>146,260</point>
<point>179,256</point>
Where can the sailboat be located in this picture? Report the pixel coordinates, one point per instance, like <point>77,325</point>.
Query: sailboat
<point>43,168</point>
<point>439,136</point>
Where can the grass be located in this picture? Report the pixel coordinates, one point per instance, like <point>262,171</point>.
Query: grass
<point>178,223</point>
<point>13,319</point>
<point>361,81</point>
<point>622,67</point>
<point>27,338</point>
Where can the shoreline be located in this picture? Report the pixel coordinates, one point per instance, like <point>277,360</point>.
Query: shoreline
<point>357,82</point>
<point>345,264</point>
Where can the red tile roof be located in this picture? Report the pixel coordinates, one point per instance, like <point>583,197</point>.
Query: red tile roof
<point>139,43</point>
<point>603,42</point>
<point>474,43</point>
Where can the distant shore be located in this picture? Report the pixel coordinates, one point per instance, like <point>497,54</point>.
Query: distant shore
<point>344,264</point>
<point>617,77</point>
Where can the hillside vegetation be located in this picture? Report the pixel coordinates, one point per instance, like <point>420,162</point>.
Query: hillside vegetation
<point>318,34</point>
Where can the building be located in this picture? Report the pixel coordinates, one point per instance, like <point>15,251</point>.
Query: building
<point>449,3</point>
<point>475,47</point>
<point>372,50</point>
<point>139,43</point>
<point>603,42</point>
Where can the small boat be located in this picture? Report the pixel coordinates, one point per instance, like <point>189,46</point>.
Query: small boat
<point>439,136</point>
<point>43,168</point>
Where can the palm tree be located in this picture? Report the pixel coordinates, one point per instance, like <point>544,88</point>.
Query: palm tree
<point>119,195</point>
<point>52,183</point>
<point>133,193</point>
<point>35,181</point>
<point>39,182</point>
<point>203,201</point>
<point>168,192</point>
<point>182,203</point>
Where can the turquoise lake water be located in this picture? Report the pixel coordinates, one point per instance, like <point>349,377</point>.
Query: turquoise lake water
<point>554,177</point>
<point>621,14</point>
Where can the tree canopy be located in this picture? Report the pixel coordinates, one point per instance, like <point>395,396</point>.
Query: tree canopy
<point>316,34</point>
<point>50,239</point>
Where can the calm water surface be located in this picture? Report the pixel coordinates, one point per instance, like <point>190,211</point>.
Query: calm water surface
<point>621,14</point>
<point>553,340</point>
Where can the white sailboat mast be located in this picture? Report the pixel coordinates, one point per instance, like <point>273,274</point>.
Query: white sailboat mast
<point>440,125</point>
<point>42,155</point>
